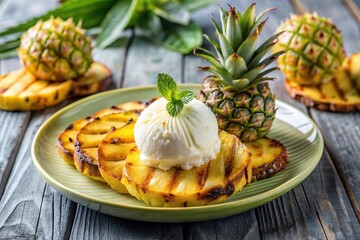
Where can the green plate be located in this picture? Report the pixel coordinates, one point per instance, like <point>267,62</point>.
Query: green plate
<point>291,127</point>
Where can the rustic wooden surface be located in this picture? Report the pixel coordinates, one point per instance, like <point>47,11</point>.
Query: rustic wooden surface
<point>324,206</point>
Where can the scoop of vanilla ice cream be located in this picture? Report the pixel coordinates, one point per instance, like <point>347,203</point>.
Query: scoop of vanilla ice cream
<point>186,140</point>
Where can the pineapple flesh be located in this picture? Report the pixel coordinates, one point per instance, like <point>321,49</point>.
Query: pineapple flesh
<point>96,79</point>
<point>237,92</point>
<point>268,157</point>
<point>21,91</point>
<point>211,183</point>
<point>55,50</point>
<point>65,140</point>
<point>112,152</point>
<point>313,49</point>
<point>89,137</point>
<point>340,94</point>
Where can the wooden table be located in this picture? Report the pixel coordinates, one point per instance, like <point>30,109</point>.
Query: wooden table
<point>324,206</point>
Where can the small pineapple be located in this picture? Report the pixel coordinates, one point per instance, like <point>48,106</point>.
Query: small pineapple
<point>237,92</point>
<point>314,49</point>
<point>55,50</point>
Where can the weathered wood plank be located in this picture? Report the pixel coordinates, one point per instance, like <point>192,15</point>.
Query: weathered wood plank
<point>91,225</point>
<point>17,122</point>
<point>30,209</point>
<point>341,131</point>
<point>114,58</point>
<point>243,226</point>
<point>145,61</point>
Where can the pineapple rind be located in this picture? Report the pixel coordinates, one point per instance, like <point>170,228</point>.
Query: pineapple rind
<point>313,49</point>
<point>248,114</point>
<point>268,157</point>
<point>55,50</point>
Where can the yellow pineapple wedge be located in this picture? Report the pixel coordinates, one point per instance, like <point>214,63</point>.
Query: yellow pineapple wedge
<point>89,137</point>
<point>96,79</point>
<point>65,140</point>
<point>210,183</point>
<point>340,94</point>
<point>268,157</point>
<point>112,152</point>
<point>21,91</point>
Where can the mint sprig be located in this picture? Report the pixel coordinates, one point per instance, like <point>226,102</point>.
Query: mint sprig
<point>168,89</point>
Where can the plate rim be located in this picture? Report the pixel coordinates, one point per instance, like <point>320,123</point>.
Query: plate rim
<point>273,193</point>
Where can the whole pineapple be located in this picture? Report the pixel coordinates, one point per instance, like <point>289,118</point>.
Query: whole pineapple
<point>55,50</point>
<point>237,92</point>
<point>314,49</point>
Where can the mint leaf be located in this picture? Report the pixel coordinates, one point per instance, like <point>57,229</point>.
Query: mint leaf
<point>174,107</point>
<point>186,96</point>
<point>166,86</point>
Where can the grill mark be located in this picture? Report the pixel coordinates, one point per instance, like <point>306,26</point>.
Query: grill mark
<point>338,90</point>
<point>217,192</point>
<point>203,175</point>
<point>229,162</point>
<point>148,179</point>
<point>173,180</point>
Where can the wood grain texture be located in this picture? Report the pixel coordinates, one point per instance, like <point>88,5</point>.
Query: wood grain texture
<point>114,58</point>
<point>341,131</point>
<point>243,226</point>
<point>17,121</point>
<point>92,225</point>
<point>29,209</point>
<point>144,62</point>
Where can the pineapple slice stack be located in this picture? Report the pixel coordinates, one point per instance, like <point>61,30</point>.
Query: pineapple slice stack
<point>317,73</point>
<point>57,65</point>
<point>106,151</point>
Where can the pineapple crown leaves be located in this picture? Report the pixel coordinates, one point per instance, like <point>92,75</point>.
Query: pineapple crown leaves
<point>239,62</point>
<point>168,89</point>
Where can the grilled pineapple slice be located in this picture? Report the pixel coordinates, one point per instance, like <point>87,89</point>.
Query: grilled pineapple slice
<point>89,137</point>
<point>65,140</point>
<point>341,94</point>
<point>268,157</point>
<point>210,183</point>
<point>20,90</point>
<point>112,152</point>
<point>96,79</point>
